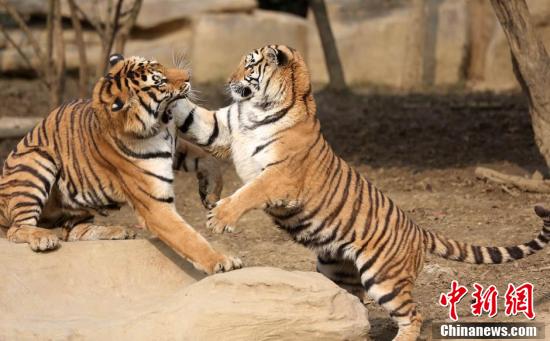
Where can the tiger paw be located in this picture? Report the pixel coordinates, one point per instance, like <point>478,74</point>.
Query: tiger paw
<point>209,191</point>
<point>227,264</point>
<point>217,226</point>
<point>43,240</point>
<point>210,182</point>
<point>121,233</point>
<point>221,218</point>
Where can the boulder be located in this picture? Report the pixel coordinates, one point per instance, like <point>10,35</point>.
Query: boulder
<point>30,7</point>
<point>11,61</point>
<point>153,12</point>
<point>162,48</point>
<point>219,41</point>
<point>157,12</point>
<point>141,290</point>
<point>451,42</point>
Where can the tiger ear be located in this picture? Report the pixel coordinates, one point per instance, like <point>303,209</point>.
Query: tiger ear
<point>114,59</point>
<point>276,56</point>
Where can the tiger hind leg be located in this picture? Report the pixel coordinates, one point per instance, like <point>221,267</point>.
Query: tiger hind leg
<point>395,296</point>
<point>76,224</point>
<point>343,273</point>
<point>39,239</point>
<point>89,231</point>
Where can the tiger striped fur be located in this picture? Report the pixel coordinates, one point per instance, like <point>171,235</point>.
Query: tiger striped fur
<point>289,170</point>
<point>89,156</point>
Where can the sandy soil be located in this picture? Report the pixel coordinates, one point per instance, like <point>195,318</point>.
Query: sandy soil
<point>421,151</point>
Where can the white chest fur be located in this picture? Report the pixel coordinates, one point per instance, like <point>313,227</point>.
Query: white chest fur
<point>247,166</point>
<point>249,162</point>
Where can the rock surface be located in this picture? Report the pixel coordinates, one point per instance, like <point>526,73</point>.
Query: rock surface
<point>141,290</point>
<point>153,12</point>
<point>157,12</point>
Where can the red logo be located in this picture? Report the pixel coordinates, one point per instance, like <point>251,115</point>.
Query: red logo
<point>520,300</point>
<point>485,300</point>
<point>516,300</point>
<point>452,298</point>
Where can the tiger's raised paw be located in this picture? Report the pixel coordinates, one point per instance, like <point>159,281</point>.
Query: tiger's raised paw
<point>221,218</point>
<point>210,187</point>
<point>217,226</point>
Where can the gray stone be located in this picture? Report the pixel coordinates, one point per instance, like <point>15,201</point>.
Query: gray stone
<point>156,12</point>
<point>219,41</point>
<point>162,48</point>
<point>451,42</point>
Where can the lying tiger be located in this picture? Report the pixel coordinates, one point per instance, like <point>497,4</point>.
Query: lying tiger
<point>89,156</point>
<point>289,170</point>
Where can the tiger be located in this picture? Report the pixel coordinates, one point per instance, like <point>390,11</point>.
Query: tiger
<point>359,235</point>
<point>89,156</point>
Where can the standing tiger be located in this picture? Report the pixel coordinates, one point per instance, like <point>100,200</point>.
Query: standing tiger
<point>89,156</point>
<point>290,171</point>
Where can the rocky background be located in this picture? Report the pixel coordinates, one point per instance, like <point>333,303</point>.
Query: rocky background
<point>372,37</point>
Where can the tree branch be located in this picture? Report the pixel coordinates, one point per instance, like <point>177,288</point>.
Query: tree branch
<point>112,29</point>
<point>22,53</point>
<point>523,39</point>
<point>332,59</point>
<point>126,27</point>
<point>96,24</point>
<point>524,184</point>
<point>79,38</point>
<point>12,11</point>
<point>59,60</point>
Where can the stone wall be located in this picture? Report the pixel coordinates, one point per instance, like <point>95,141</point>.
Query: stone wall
<point>372,40</point>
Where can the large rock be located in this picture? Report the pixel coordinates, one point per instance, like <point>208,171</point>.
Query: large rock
<point>156,12</point>
<point>451,42</point>
<point>141,290</point>
<point>220,40</point>
<point>164,48</point>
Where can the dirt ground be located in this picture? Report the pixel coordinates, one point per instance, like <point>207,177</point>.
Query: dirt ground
<point>422,152</point>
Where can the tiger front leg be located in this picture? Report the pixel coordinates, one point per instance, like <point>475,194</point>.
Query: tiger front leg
<point>169,226</point>
<point>191,158</point>
<point>266,188</point>
<point>39,239</point>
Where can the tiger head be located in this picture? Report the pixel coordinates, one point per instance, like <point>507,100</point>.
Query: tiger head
<point>270,76</point>
<point>134,94</point>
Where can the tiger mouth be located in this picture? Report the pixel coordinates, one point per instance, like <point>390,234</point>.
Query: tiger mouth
<point>242,90</point>
<point>245,91</point>
<point>181,94</point>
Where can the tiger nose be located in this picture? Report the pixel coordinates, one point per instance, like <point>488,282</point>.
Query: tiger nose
<point>177,76</point>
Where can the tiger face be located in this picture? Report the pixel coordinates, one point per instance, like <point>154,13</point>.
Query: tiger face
<point>135,93</point>
<point>268,75</point>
